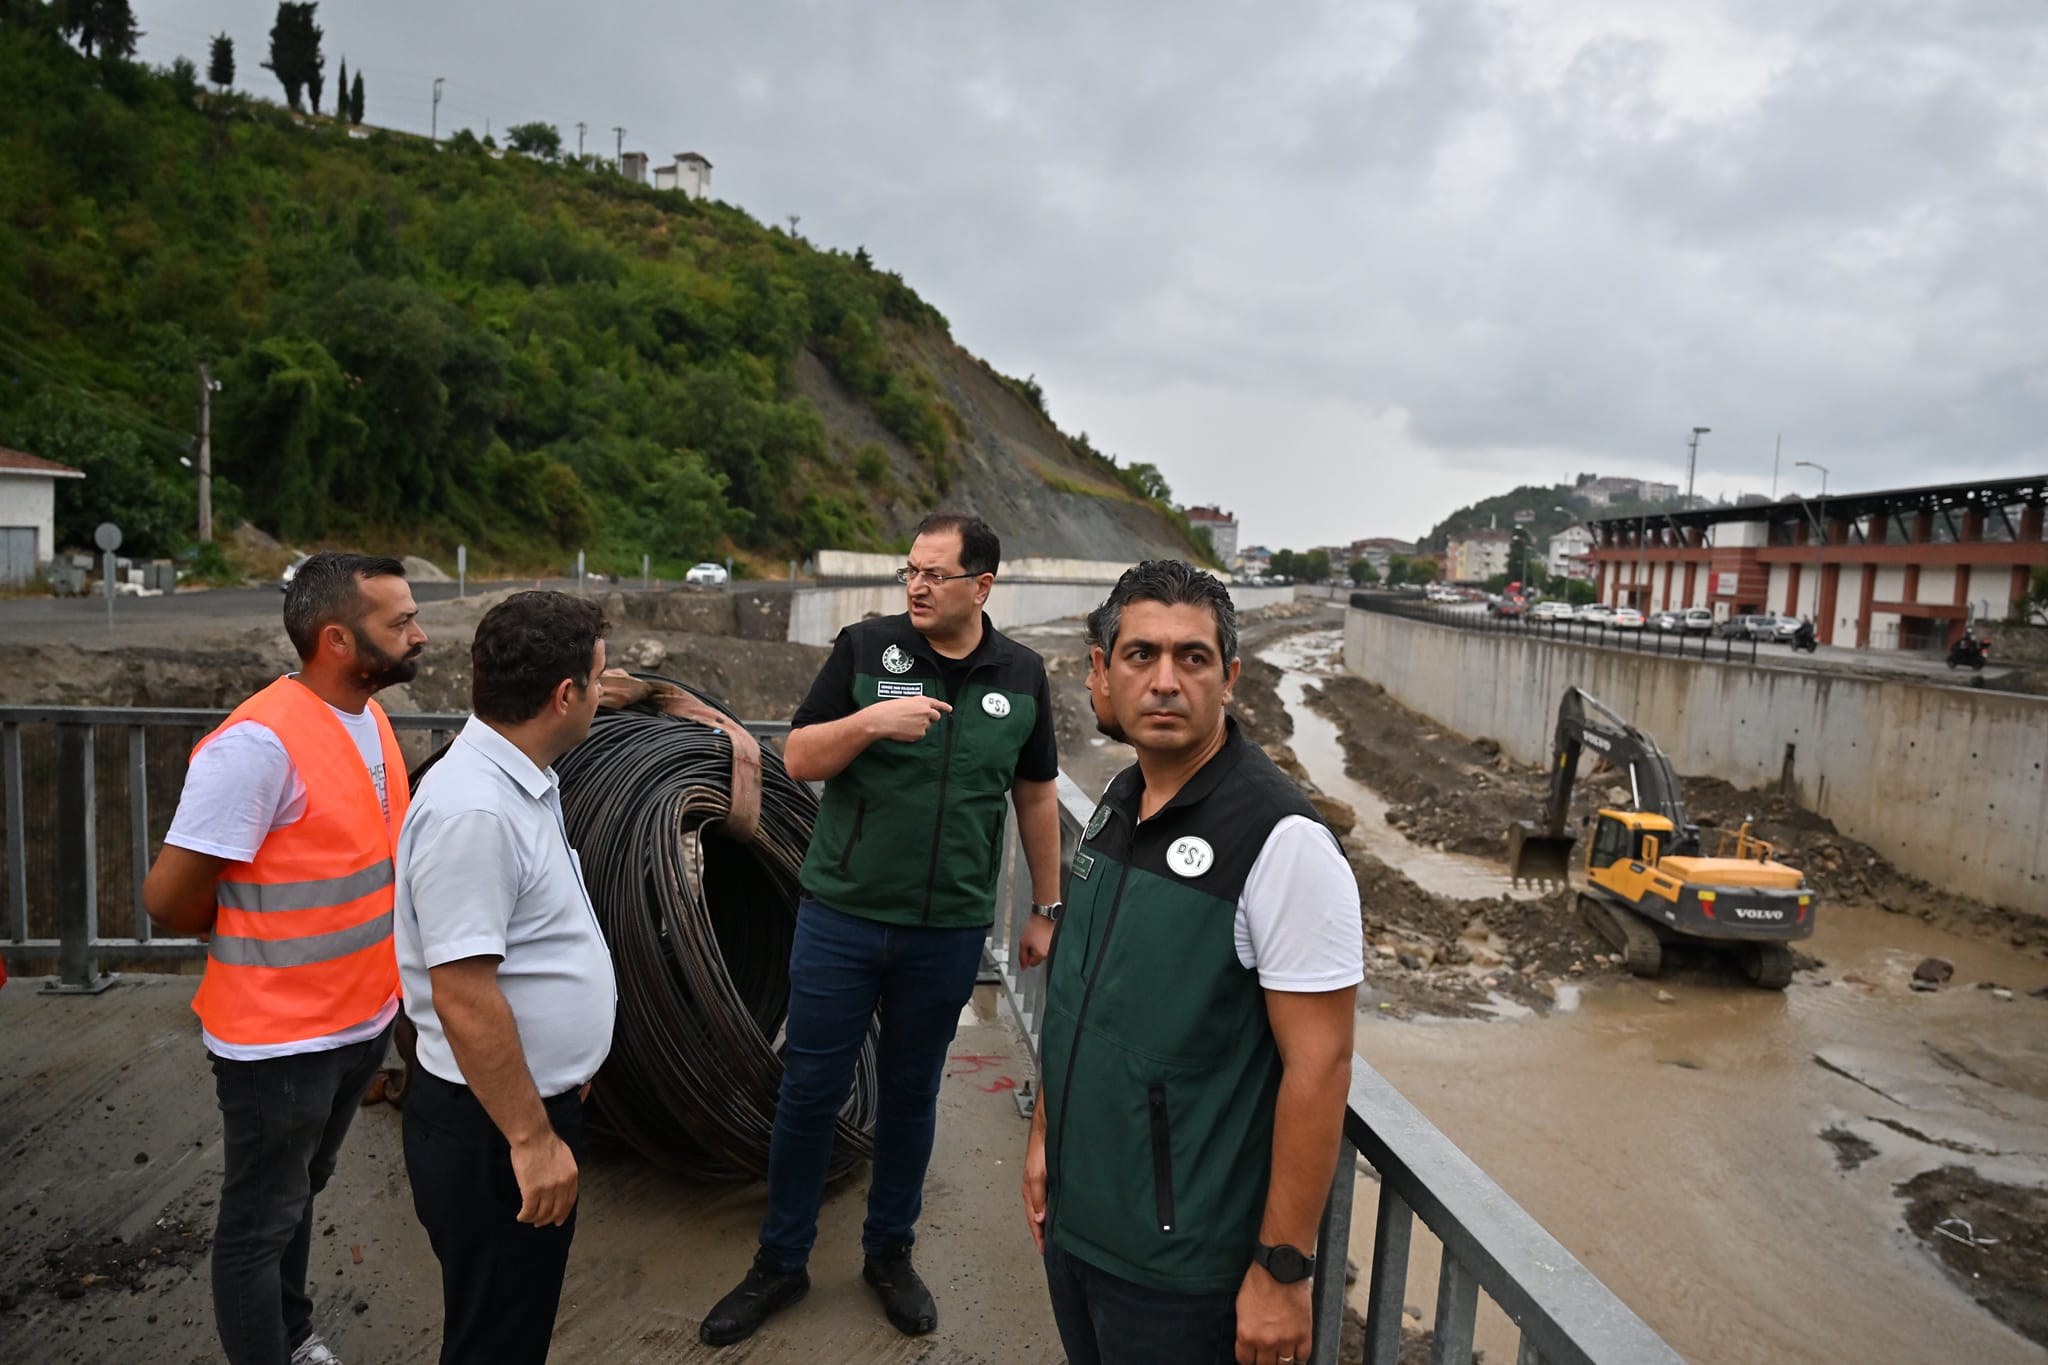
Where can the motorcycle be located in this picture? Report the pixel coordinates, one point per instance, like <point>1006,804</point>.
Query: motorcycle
<point>1969,652</point>
<point>1805,639</point>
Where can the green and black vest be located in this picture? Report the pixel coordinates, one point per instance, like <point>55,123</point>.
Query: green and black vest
<point>1159,1070</point>
<point>913,833</point>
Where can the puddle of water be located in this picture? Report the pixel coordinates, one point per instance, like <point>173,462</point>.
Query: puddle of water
<point>1302,659</point>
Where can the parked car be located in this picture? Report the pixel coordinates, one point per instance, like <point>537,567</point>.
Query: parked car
<point>1667,621</point>
<point>1698,620</point>
<point>1596,614</point>
<point>1550,611</point>
<point>291,571</point>
<point>1626,618</point>
<point>1742,627</point>
<point>1775,629</point>
<point>712,574</point>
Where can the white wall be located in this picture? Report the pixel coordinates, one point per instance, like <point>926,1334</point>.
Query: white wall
<point>31,500</point>
<point>1950,783</point>
<point>816,615</point>
<point>1938,585</point>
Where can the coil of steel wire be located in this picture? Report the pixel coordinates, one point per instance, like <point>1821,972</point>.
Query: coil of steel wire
<point>700,927</point>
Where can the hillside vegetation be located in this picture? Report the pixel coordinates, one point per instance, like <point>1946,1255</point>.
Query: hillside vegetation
<point>420,345</point>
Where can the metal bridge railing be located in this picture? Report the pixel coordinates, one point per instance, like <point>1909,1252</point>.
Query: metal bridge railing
<point>60,771</point>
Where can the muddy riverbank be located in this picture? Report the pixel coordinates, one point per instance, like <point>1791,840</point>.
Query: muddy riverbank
<point>1683,1136</point>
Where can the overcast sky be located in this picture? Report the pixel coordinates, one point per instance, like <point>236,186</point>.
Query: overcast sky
<point>1344,267</point>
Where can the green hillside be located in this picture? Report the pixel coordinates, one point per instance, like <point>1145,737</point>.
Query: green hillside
<point>421,345</point>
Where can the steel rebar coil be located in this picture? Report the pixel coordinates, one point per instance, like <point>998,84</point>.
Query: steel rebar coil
<point>700,927</point>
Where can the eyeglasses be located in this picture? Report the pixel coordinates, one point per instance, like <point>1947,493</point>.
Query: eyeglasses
<point>907,575</point>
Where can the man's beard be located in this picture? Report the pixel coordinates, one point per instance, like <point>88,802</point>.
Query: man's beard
<point>379,670</point>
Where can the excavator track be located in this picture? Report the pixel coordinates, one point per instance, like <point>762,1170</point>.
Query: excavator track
<point>1768,965</point>
<point>1637,942</point>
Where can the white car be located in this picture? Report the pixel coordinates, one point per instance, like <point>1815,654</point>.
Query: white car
<point>1550,611</point>
<point>1594,613</point>
<point>712,574</point>
<point>1626,618</point>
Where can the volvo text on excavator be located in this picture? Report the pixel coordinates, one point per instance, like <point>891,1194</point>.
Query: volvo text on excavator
<point>1647,882</point>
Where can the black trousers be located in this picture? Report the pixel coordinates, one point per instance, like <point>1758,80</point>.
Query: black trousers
<point>501,1279</point>
<point>282,1123</point>
<point>1104,1319</point>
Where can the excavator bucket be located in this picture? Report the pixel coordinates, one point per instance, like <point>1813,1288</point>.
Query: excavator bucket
<point>1535,857</point>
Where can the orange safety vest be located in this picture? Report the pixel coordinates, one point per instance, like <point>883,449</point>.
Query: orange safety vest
<point>301,944</point>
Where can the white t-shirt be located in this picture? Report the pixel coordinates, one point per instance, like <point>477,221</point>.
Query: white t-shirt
<point>1298,919</point>
<point>240,788</point>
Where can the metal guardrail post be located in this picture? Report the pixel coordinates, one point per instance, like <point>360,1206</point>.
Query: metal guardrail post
<point>17,834</point>
<point>138,825</point>
<point>1386,1289</point>
<point>77,865</point>
<point>1333,1245</point>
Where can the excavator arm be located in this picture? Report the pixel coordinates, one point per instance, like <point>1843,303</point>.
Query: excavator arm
<point>1540,850</point>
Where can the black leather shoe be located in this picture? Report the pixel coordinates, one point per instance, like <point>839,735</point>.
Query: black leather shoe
<point>904,1298</point>
<point>765,1292</point>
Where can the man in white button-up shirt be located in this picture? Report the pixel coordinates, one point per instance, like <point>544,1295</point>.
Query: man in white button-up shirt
<point>508,980</point>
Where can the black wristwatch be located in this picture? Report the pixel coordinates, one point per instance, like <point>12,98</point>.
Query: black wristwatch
<point>1051,912</point>
<point>1284,1263</point>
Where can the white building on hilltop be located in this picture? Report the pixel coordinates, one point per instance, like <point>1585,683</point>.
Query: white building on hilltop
<point>1566,554</point>
<point>691,174</point>
<point>1222,529</point>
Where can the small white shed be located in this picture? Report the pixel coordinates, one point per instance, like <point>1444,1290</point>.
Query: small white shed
<point>28,512</point>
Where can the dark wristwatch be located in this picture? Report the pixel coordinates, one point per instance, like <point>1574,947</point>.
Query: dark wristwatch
<point>1051,912</point>
<point>1284,1263</point>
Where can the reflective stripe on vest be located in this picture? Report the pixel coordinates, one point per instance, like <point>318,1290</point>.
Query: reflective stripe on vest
<point>299,952</point>
<point>301,945</point>
<point>310,895</point>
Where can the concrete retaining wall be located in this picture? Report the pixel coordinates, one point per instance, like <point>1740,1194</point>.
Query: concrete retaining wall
<point>1949,783</point>
<point>816,615</point>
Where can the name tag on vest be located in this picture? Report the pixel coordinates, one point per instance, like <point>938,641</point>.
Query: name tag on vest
<point>885,687</point>
<point>1084,863</point>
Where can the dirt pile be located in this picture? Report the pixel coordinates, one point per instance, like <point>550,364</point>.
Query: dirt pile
<point>1992,1238</point>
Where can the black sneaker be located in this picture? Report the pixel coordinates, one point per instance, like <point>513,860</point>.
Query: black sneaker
<point>904,1298</point>
<point>766,1291</point>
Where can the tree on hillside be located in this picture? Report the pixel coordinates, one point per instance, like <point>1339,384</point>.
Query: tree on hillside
<point>355,99</point>
<point>107,26</point>
<point>1363,574</point>
<point>340,95</point>
<point>295,57</point>
<point>1147,482</point>
<point>535,139</point>
<point>220,67</point>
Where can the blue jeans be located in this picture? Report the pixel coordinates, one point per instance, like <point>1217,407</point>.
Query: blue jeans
<point>282,1123</point>
<point>843,971</point>
<point>1104,1319</point>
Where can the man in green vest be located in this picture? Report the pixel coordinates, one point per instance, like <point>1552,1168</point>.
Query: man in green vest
<point>1199,1004</point>
<point>921,726</point>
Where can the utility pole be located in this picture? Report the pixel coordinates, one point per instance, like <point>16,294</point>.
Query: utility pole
<point>793,221</point>
<point>619,151</point>
<point>579,140</point>
<point>1692,462</point>
<point>434,124</point>
<point>207,388</point>
<point>1777,454</point>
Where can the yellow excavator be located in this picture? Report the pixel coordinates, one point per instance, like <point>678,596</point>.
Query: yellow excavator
<point>1647,882</point>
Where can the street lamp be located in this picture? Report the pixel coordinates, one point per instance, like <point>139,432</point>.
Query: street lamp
<point>1692,461</point>
<point>1819,535</point>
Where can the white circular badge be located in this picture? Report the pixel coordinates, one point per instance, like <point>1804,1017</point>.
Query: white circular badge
<point>996,704</point>
<point>1190,856</point>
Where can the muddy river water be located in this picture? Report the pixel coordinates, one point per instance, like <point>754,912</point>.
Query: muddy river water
<point>1668,1133</point>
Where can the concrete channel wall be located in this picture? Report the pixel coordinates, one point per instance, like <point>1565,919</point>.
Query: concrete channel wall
<point>816,615</point>
<point>1949,783</point>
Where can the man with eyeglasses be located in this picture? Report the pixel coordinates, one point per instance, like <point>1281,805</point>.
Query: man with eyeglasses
<point>919,725</point>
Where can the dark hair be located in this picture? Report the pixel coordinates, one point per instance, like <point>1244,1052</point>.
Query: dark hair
<point>1173,583</point>
<point>980,551</point>
<point>525,646</point>
<point>327,590</point>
